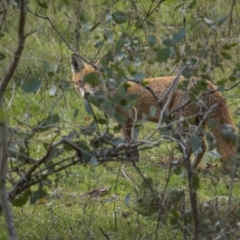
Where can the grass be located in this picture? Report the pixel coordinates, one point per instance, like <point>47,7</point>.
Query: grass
<point>68,214</point>
<point>124,212</point>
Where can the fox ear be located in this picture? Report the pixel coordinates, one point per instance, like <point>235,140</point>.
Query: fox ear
<point>77,63</point>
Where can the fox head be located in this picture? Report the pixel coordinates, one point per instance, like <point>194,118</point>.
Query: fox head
<point>79,70</point>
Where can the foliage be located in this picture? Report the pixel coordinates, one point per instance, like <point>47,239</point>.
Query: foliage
<point>54,134</point>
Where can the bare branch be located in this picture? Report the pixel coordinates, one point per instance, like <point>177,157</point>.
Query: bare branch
<point>61,36</point>
<point>18,52</point>
<point>6,207</point>
<point>7,212</point>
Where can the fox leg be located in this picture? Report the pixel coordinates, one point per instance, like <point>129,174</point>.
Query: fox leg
<point>132,153</point>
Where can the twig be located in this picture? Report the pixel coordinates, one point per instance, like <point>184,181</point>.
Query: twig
<point>60,35</point>
<point>149,13</point>
<point>162,201</point>
<point>230,189</point>
<point>167,95</point>
<point>114,202</point>
<point>183,146</point>
<point>233,2</point>
<point>125,175</point>
<point>5,6</point>
<point>145,181</point>
<point>104,234</point>
<point>18,52</point>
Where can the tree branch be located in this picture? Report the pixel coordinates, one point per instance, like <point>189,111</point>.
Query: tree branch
<point>7,212</point>
<point>17,55</point>
<point>61,36</point>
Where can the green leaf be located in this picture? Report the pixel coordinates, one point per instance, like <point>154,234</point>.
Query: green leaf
<point>120,118</point>
<point>139,76</point>
<point>95,26</point>
<point>116,100</point>
<point>146,182</point>
<point>187,217</point>
<point>170,2</point>
<point>196,144</point>
<point>108,16</point>
<point>42,4</point>
<point>229,134</point>
<point>76,112</point>
<point>98,43</point>
<point>237,212</point>
<point>168,42</point>
<point>127,199</point>
<point>177,169</point>
<point>226,55</point>
<point>85,156</point>
<point>91,78</point>
<point>229,46</point>
<point>108,35</point>
<point>174,220</point>
<point>52,119</point>
<point>31,85</point>
<point>102,121</point>
<point>37,195</point>
<point>49,122</point>
<point>47,66</point>
<point>221,20</point>
<point>94,161</point>
<point>22,199</point>
<point>138,24</point>
<point>2,56</point>
<point>53,90</point>
<point>164,54</point>
<point>122,90</point>
<point>117,141</point>
<point>152,40</point>
<point>119,45</point>
<point>64,85</point>
<point>153,110</point>
<point>175,196</point>
<point>104,151</point>
<point>179,36</point>
<point>106,104</point>
<point>175,213</point>
<point>135,132</point>
<point>120,56</point>
<point>131,99</point>
<point>237,66</point>
<point>95,100</point>
<point>208,21</point>
<point>88,108</point>
<point>145,83</point>
<point>119,17</point>
<point>192,4</point>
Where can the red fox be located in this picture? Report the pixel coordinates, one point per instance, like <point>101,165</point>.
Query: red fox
<point>213,104</point>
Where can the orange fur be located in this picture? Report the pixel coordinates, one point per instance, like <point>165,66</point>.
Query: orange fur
<point>160,85</point>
